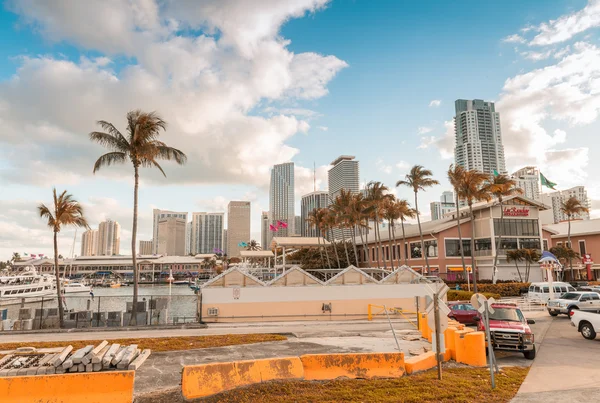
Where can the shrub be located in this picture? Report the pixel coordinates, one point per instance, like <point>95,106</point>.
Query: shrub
<point>454,295</point>
<point>504,289</point>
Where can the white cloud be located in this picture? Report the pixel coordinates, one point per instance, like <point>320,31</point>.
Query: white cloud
<point>427,141</point>
<point>567,26</point>
<point>383,167</point>
<point>403,167</point>
<point>445,142</point>
<point>435,103</point>
<point>516,38</point>
<point>323,128</point>
<point>537,56</point>
<point>424,130</point>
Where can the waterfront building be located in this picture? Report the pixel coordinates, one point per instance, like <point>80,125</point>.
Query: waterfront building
<point>207,232</point>
<point>281,199</point>
<point>555,200</point>
<point>447,204</point>
<point>308,203</point>
<point>478,136</point>
<point>157,215</point>
<point>238,226</point>
<point>109,238</point>
<point>89,243</point>
<point>145,248</point>
<point>171,234</point>
<point>528,180</point>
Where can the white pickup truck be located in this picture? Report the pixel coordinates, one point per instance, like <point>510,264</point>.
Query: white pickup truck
<point>587,323</point>
<point>571,301</point>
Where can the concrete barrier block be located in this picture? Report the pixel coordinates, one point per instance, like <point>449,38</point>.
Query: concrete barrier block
<point>459,344</point>
<point>69,388</point>
<point>362,365</point>
<point>449,339</point>
<point>475,349</point>
<point>420,362</point>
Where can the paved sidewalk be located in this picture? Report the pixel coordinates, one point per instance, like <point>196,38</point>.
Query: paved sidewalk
<point>566,368</point>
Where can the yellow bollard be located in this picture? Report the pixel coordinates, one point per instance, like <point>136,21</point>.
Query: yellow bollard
<point>425,330</point>
<point>460,345</point>
<point>475,349</point>
<point>369,314</point>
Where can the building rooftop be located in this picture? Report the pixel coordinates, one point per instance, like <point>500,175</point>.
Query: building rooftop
<point>578,227</point>
<point>342,158</point>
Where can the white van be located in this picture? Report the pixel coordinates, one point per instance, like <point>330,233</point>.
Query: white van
<point>541,291</point>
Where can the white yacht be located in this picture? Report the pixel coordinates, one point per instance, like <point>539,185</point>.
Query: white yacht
<point>27,284</point>
<point>73,287</point>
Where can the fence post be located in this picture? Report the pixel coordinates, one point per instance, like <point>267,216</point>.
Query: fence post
<point>199,304</point>
<point>98,314</point>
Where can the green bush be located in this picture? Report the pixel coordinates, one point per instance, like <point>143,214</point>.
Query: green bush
<point>454,295</point>
<point>504,289</point>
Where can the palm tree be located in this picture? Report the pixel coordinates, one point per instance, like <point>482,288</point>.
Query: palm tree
<point>359,221</point>
<point>341,210</point>
<point>142,148</point>
<point>456,174</point>
<point>501,186</point>
<point>473,189</point>
<point>15,257</point>
<point>417,179</point>
<point>253,245</point>
<point>328,223</point>
<point>314,220</point>
<point>404,212</point>
<point>391,214</point>
<point>515,256</point>
<point>64,211</point>
<point>530,256</point>
<point>376,196</point>
<point>572,207</point>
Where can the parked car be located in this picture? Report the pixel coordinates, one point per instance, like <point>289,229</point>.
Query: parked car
<point>509,330</point>
<point>581,285</point>
<point>587,323</point>
<point>463,312</point>
<point>582,300</point>
<point>541,291</point>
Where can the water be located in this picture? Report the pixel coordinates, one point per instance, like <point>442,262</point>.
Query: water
<point>181,303</point>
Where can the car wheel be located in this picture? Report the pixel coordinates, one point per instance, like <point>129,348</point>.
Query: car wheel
<point>587,331</point>
<point>530,355</point>
<point>553,313</point>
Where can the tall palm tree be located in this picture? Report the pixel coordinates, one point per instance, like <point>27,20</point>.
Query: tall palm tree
<point>341,210</point>
<point>64,211</point>
<point>329,222</point>
<point>474,189</point>
<point>142,148</point>
<point>355,219</point>
<point>515,256</point>
<point>391,214</point>
<point>501,186</point>
<point>404,212</point>
<point>15,257</point>
<point>376,196</point>
<point>253,245</point>
<point>360,220</point>
<point>530,256</point>
<point>456,174</point>
<point>572,207</point>
<point>418,179</point>
<point>314,220</point>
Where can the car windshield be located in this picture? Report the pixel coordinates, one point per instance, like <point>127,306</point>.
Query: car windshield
<point>570,295</point>
<point>507,314</point>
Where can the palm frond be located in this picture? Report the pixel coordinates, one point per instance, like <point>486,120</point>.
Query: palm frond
<point>108,159</point>
<point>46,213</point>
<point>171,154</point>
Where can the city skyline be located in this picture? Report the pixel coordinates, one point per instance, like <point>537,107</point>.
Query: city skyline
<point>305,97</point>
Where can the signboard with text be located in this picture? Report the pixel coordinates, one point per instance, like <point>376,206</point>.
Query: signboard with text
<point>516,212</point>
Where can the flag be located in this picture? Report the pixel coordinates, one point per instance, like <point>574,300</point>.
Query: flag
<point>496,173</point>
<point>546,182</point>
<point>272,228</point>
<point>281,224</point>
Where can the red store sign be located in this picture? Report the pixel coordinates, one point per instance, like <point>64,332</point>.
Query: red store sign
<point>516,212</point>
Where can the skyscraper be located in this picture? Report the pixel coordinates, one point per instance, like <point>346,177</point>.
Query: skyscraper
<point>478,136</point>
<point>281,198</point>
<point>309,202</point>
<point>145,248</point>
<point>264,230</point>
<point>171,234</point>
<point>555,200</point>
<point>238,226</point>
<point>109,238</point>
<point>446,205</point>
<point>528,180</point>
<point>343,175</point>
<point>207,232</point>
<point>188,238</point>
<point>89,243</point>
<point>297,225</point>
<point>224,249</point>
<point>158,214</point>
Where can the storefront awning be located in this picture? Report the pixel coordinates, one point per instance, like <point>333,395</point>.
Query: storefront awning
<point>458,268</point>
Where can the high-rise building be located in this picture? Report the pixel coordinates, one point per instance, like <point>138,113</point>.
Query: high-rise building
<point>171,234</point>
<point>188,238</point>
<point>224,249</point>
<point>555,199</point>
<point>297,225</point>
<point>238,226</point>
<point>281,198</point>
<point>528,179</point>
<point>308,203</point>
<point>478,136</point>
<point>264,230</point>
<point>109,238</point>
<point>157,215</point>
<point>344,174</point>
<point>446,205</point>
<point>207,232</point>
<point>89,243</point>
<point>145,248</point>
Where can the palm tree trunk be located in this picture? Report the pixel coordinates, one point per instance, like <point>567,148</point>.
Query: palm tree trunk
<point>462,252</point>
<point>396,246</point>
<point>365,246</point>
<point>473,268</point>
<point>321,252</point>
<point>569,243</point>
<point>133,320</point>
<point>61,311</point>
<point>494,279</point>
<point>391,245</point>
<point>380,247</point>
<point>337,257</point>
<point>518,271</point>
<point>423,251</point>
<point>348,263</point>
<point>326,252</point>
<point>354,246</point>
<point>404,250</point>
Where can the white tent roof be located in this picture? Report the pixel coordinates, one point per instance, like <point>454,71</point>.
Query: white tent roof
<point>256,253</point>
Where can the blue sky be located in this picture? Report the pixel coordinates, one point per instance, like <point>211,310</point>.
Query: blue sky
<point>244,86</point>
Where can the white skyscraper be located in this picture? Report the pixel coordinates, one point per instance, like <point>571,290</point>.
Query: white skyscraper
<point>264,230</point>
<point>528,180</point>
<point>207,232</point>
<point>109,238</point>
<point>446,205</point>
<point>344,174</point>
<point>89,243</point>
<point>281,198</point>
<point>309,202</point>
<point>162,214</point>
<point>478,136</point>
<point>556,198</point>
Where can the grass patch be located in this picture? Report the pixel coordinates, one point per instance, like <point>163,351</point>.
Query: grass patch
<point>463,385</point>
<point>161,343</point>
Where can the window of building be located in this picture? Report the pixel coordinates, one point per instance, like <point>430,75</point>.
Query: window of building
<point>415,250</point>
<point>483,244</point>
<point>582,247</point>
<point>545,244</point>
<point>509,244</point>
<point>453,247</point>
<point>387,253</point>
<point>516,227</point>
<point>431,247</point>
<point>529,243</point>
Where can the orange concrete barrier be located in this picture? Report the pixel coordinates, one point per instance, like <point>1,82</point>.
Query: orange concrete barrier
<point>420,362</point>
<point>363,365</point>
<point>450,346</point>
<point>93,387</point>
<point>424,326</point>
<point>208,379</point>
<point>475,349</point>
<point>460,345</point>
